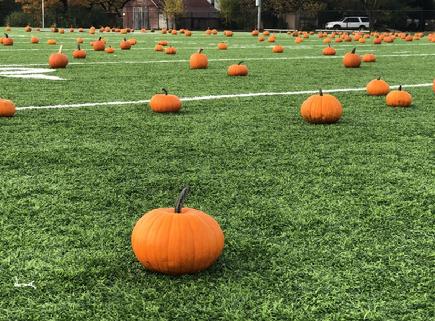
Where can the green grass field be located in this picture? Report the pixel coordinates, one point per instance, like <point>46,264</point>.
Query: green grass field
<point>321,222</point>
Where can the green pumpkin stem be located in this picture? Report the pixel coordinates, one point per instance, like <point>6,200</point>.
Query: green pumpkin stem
<point>165,91</point>
<point>379,78</point>
<point>200,50</point>
<point>320,92</point>
<point>240,63</point>
<point>181,199</point>
<point>353,50</point>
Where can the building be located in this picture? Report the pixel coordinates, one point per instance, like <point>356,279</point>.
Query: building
<point>198,15</point>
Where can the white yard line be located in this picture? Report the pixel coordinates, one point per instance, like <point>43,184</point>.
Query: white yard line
<point>199,98</point>
<point>220,59</point>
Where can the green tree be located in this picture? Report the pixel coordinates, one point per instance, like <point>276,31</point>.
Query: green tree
<point>172,9</point>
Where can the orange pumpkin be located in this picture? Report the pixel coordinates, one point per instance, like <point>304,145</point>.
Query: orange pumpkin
<point>261,38</point>
<point>51,41</point>
<point>162,43</point>
<point>164,103</point>
<point>79,40</point>
<point>58,60</point>
<point>99,45</point>
<point>238,70</point>
<point>158,48</point>
<point>369,57</point>
<point>7,41</point>
<point>255,33</point>
<point>228,33</point>
<point>377,87</point>
<point>79,53</point>
<point>7,108</point>
<point>321,109</point>
<point>222,46</point>
<point>278,49</point>
<point>177,240</point>
<point>198,60</point>
<point>352,60</point>
<point>132,41</point>
<point>329,51</point>
<point>399,98</point>
<point>125,44</point>
<point>170,51</point>
<point>27,29</point>
<point>109,50</point>
<point>187,33</point>
<point>377,41</point>
<point>34,40</point>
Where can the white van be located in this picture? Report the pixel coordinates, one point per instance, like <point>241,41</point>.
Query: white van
<point>350,23</point>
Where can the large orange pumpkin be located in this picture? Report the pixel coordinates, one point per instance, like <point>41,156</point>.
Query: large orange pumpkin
<point>238,70</point>
<point>7,108</point>
<point>164,103</point>
<point>351,59</point>
<point>58,60</point>
<point>399,98</point>
<point>99,45</point>
<point>198,60</point>
<point>177,240</point>
<point>125,44</point>
<point>321,109</point>
<point>378,87</point>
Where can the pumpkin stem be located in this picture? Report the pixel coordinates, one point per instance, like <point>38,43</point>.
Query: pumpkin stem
<point>78,46</point>
<point>99,39</point>
<point>6,35</point>
<point>200,50</point>
<point>181,199</point>
<point>353,50</point>
<point>320,92</point>
<point>60,49</point>
<point>165,91</point>
<point>400,87</point>
<point>379,78</point>
<point>240,63</point>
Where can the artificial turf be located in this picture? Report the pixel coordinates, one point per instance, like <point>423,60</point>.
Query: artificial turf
<point>321,222</point>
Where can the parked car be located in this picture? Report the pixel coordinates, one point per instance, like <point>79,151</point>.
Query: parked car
<point>349,23</point>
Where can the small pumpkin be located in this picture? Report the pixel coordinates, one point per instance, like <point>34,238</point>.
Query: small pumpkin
<point>177,240</point>
<point>299,40</point>
<point>34,40</point>
<point>164,103</point>
<point>278,49</point>
<point>187,33</point>
<point>51,41</point>
<point>378,87</point>
<point>238,70</point>
<point>171,51</point>
<point>27,29</point>
<point>321,109</point>
<point>261,38</point>
<point>254,33</point>
<point>329,51</point>
<point>79,53</point>
<point>222,46</point>
<point>132,41</point>
<point>109,50</point>
<point>58,60</point>
<point>99,45</point>
<point>198,60</point>
<point>158,48</point>
<point>7,41</point>
<point>7,108</point>
<point>125,44</point>
<point>399,98</point>
<point>79,40</point>
<point>228,33</point>
<point>162,43</point>
<point>351,59</point>
<point>377,41</point>
<point>369,57</point>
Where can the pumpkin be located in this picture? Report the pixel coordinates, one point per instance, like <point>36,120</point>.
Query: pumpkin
<point>109,50</point>
<point>61,31</point>
<point>377,87</point>
<point>164,103</point>
<point>198,60</point>
<point>170,51</point>
<point>125,44</point>
<point>329,51</point>
<point>299,40</point>
<point>51,41</point>
<point>132,41</point>
<point>362,40</point>
<point>214,32</point>
<point>174,32</point>
<point>321,109</point>
<point>80,29</point>
<point>162,43</point>
<point>238,70</point>
<point>71,29</point>
<point>208,32</point>
<point>158,48</point>
<point>7,41</point>
<point>266,33</point>
<point>187,33</point>
<point>99,45</point>
<point>369,57</point>
<point>278,49</point>
<point>254,33</point>
<point>377,41</point>
<point>222,46</point>
<point>58,60</point>
<point>79,40</point>
<point>228,33</point>
<point>177,240</point>
<point>7,108</point>
<point>351,59</point>
<point>261,38</point>
<point>272,38</point>
<point>327,40</point>
<point>27,29</point>
<point>79,53</point>
<point>34,40</point>
<point>399,98</point>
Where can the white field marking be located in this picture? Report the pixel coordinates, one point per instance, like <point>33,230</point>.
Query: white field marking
<point>28,73</point>
<point>197,98</point>
<point>24,285</point>
<point>219,59</point>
